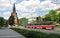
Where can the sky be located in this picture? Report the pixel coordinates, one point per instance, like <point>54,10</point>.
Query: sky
<point>27,8</point>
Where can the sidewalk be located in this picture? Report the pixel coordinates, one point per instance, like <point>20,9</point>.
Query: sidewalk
<point>8,33</point>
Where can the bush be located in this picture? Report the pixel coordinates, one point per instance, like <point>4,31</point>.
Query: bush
<point>57,26</point>
<point>53,36</point>
<point>35,34</point>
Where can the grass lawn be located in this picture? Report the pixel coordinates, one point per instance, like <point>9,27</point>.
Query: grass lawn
<point>35,34</point>
<point>57,26</point>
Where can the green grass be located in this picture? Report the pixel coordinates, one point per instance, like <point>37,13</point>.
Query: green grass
<point>35,34</point>
<point>57,26</point>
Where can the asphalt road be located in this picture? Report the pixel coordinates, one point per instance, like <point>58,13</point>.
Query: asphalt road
<point>8,33</point>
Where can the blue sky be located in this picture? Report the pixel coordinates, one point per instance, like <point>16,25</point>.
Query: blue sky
<point>27,8</point>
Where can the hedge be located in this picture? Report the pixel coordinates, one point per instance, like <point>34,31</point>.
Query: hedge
<point>35,34</point>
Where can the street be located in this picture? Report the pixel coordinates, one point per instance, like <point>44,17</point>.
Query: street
<point>8,33</point>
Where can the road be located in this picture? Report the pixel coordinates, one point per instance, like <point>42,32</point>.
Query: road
<point>8,33</point>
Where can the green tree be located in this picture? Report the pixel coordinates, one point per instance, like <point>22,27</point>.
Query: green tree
<point>51,16</point>
<point>11,20</point>
<point>23,21</point>
<point>2,21</point>
<point>47,17</point>
<point>5,22</point>
<point>58,18</point>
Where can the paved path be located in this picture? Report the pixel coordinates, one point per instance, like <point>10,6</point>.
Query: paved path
<point>8,33</point>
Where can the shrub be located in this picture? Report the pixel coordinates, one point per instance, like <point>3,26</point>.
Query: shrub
<point>35,34</point>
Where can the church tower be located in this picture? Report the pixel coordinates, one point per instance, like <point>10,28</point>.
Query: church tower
<point>15,16</point>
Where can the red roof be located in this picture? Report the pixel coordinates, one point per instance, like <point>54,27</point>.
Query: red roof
<point>58,9</point>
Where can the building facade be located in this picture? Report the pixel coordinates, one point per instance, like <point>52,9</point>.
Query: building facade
<point>58,10</point>
<point>30,20</point>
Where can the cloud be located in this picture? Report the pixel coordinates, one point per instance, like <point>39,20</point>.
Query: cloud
<point>26,8</point>
<point>56,1</point>
<point>32,5</point>
<point>28,15</point>
<point>4,5</point>
<point>48,5</point>
<point>6,15</point>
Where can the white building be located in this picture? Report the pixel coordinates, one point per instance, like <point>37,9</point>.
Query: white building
<point>30,20</point>
<point>58,10</point>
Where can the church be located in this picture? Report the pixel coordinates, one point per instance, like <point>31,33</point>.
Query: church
<point>16,21</point>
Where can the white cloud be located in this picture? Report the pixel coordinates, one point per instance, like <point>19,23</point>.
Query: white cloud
<point>4,4</point>
<point>27,15</point>
<point>48,5</point>
<point>12,1</point>
<point>27,8</point>
<point>6,15</point>
<point>32,5</point>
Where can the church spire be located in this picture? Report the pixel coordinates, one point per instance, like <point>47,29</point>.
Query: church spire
<point>14,10</point>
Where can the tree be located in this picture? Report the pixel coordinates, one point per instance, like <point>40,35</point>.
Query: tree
<point>23,21</point>
<point>11,20</point>
<point>58,18</point>
<point>47,17</point>
<point>2,21</point>
<point>5,22</point>
<point>51,16</point>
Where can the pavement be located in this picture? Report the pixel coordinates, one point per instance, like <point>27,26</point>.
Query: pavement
<point>8,33</point>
